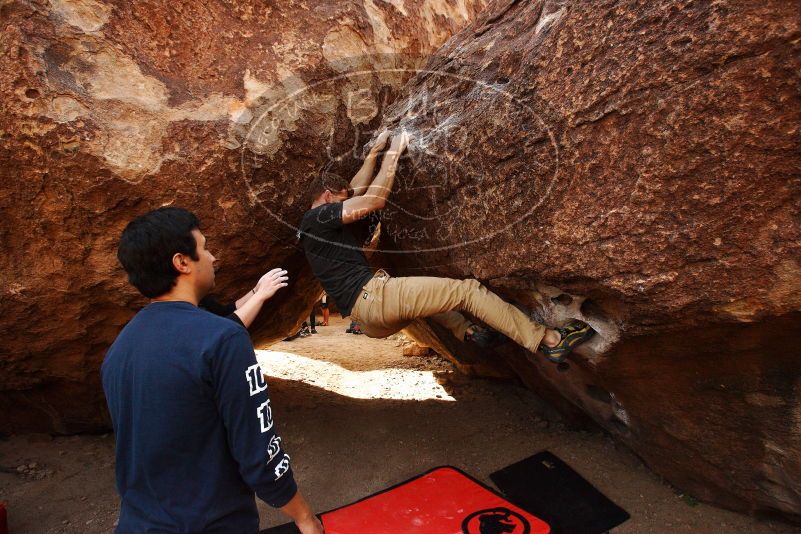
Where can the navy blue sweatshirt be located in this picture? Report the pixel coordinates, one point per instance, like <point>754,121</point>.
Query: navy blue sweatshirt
<point>194,428</point>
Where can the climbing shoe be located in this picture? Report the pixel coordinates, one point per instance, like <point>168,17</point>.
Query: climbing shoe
<point>485,337</point>
<point>573,334</point>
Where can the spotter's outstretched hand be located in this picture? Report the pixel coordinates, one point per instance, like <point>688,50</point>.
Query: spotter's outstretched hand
<point>271,282</point>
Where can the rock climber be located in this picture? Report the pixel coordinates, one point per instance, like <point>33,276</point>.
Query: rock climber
<point>383,305</point>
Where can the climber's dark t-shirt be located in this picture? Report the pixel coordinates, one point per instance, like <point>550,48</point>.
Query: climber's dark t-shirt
<point>335,257</point>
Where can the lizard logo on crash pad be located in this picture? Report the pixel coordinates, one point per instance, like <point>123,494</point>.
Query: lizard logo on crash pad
<point>495,521</point>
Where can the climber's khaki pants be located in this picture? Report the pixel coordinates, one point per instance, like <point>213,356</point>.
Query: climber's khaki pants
<point>387,305</point>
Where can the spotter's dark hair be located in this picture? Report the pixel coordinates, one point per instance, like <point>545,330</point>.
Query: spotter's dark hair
<point>148,244</point>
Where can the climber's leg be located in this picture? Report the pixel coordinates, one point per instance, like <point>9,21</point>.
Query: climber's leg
<point>454,321</point>
<point>405,299</point>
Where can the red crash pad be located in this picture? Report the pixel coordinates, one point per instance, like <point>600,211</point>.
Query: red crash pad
<point>441,501</point>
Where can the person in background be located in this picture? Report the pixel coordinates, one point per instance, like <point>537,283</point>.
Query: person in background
<point>354,328</point>
<point>324,307</point>
<point>313,320</point>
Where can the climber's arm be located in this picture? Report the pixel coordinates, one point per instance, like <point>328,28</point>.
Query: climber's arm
<point>361,181</point>
<point>375,198</point>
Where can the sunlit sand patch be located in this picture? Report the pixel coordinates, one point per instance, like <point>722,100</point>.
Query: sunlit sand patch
<point>392,384</point>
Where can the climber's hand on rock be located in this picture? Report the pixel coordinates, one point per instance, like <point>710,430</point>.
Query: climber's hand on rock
<point>399,143</point>
<point>405,140</point>
<point>380,142</point>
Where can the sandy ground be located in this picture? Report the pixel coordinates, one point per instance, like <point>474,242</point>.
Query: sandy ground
<point>358,416</point>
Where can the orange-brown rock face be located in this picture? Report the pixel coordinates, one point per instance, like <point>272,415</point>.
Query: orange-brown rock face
<point>635,164</point>
<point>112,108</point>
<point>631,163</point>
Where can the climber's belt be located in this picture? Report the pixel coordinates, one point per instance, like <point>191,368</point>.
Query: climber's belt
<point>381,274</point>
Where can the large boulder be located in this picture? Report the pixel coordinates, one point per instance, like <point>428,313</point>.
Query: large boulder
<point>112,108</point>
<point>635,164</point>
